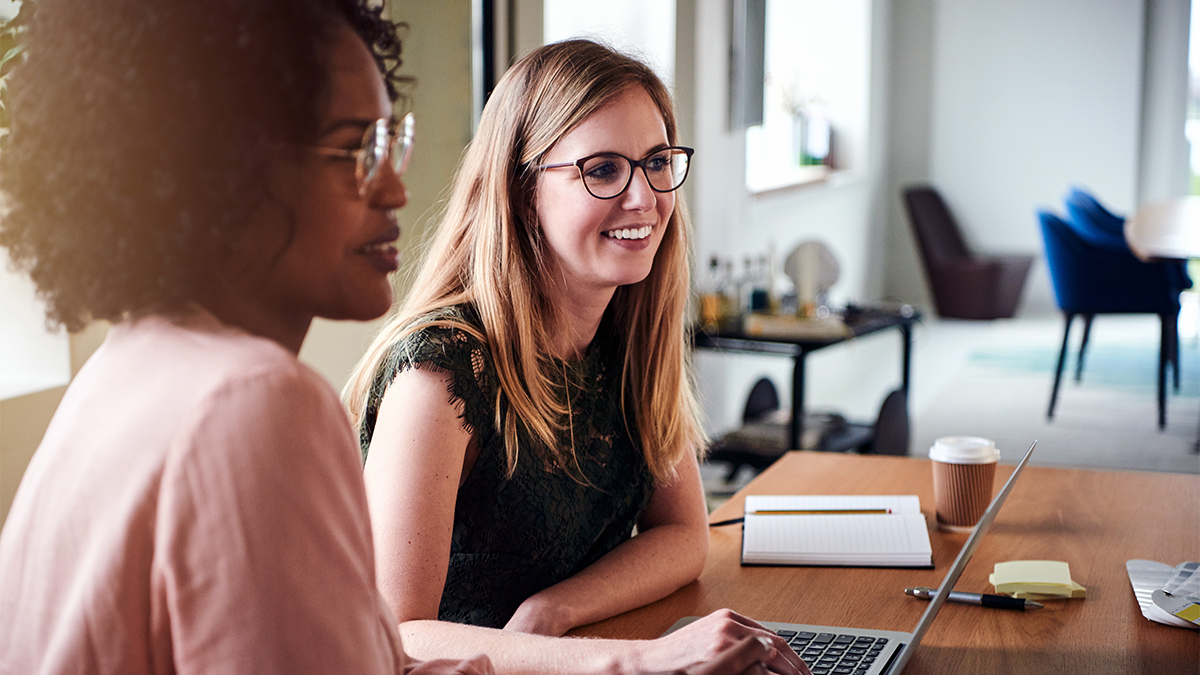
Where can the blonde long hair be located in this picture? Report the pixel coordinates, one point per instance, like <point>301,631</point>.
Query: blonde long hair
<point>489,251</point>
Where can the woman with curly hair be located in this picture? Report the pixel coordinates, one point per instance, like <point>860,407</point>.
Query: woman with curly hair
<point>530,402</point>
<point>209,176</point>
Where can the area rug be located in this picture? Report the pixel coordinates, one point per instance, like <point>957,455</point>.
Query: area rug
<point>1108,420</point>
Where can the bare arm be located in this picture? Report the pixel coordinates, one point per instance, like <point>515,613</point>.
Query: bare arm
<point>667,553</point>
<point>412,475</point>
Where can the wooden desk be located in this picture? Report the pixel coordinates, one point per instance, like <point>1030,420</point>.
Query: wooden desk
<point>1167,229</point>
<point>865,323</point>
<point>1094,520</point>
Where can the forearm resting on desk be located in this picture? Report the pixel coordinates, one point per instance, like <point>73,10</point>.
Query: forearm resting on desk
<point>644,569</point>
<point>514,653</point>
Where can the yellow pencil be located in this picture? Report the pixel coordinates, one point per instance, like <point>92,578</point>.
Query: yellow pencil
<point>808,512</point>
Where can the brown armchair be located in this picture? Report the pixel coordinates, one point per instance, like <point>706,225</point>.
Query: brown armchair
<point>964,286</point>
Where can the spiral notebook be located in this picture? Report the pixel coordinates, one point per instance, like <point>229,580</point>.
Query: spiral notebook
<point>835,530</point>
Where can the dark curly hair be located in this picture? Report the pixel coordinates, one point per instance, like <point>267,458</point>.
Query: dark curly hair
<point>142,130</point>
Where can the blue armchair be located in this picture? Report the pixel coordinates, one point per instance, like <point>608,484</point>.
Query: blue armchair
<point>1103,228</point>
<point>1091,277</point>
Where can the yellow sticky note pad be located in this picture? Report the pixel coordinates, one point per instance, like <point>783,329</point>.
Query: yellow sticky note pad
<point>1076,592</point>
<point>1036,579</point>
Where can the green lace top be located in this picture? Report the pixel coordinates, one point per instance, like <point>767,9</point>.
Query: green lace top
<point>516,536</point>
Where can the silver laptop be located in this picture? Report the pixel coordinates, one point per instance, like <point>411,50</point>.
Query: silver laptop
<point>886,651</point>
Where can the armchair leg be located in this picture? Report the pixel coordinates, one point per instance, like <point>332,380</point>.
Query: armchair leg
<point>1062,358</point>
<point>1175,350</point>
<point>1164,350</point>
<point>1087,332</point>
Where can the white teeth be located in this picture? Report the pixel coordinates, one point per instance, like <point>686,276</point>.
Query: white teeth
<point>639,233</point>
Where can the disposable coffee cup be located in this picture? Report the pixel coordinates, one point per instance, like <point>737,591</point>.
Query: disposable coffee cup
<point>964,469</point>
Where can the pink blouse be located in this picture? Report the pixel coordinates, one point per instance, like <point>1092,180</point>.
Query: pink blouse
<point>196,506</point>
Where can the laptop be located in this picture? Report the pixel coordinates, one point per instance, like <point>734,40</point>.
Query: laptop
<point>884,651</point>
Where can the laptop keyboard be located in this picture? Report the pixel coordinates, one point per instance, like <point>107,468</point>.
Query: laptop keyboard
<point>834,654</point>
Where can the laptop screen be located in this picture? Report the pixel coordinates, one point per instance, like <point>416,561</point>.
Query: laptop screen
<point>960,563</point>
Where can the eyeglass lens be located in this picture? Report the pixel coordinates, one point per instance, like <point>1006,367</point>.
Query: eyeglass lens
<point>375,149</point>
<point>607,176</point>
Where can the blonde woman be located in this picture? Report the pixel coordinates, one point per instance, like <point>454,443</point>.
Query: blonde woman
<point>530,403</point>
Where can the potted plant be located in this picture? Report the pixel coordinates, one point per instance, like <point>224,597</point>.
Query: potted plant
<point>11,50</point>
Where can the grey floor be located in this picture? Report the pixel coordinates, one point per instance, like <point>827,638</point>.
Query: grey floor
<point>1109,420</point>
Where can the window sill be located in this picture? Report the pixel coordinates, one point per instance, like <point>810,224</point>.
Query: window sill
<point>800,177</point>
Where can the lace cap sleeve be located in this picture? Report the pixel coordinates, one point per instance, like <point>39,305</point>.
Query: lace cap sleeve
<point>441,342</point>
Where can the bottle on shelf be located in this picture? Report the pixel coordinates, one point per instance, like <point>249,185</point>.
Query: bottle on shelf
<point>730,309</point>
<point>711,301</point>
<point>760,296</point>
<point>745,284</point>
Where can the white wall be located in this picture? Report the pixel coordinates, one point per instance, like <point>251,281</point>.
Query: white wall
<point>1164,150</point>
<point>1031,97</point>
<point>1025,98</point>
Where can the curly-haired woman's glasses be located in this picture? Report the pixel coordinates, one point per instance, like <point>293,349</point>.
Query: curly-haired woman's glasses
<point>608,174</point>
<point>379,145</point>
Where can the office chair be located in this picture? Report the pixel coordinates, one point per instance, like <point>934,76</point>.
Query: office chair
<point>891,433</point>
<point>888,436</point>
<point>762,438</point>
<point>760,441</point>
<point>965,286</point>
<point>1090,280</point>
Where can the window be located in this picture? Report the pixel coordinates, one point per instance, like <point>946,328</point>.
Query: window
<point>641,28</point>
<point>31,357</point>
<point>817,78</point>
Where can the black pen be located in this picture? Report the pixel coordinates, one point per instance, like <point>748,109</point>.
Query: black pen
<point>999,601</point>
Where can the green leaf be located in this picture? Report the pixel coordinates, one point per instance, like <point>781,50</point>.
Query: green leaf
<point>11,54</point>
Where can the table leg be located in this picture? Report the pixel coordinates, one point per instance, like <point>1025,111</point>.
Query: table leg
<point>1196,445</point>
<point>796,427</point>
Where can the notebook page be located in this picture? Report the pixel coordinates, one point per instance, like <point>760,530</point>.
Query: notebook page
<point>830,539</point>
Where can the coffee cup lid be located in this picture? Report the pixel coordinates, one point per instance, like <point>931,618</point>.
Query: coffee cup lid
<point>964,450</point>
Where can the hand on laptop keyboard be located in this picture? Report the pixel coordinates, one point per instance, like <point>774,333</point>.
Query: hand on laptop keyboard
<point>721,644</point>
<point>830,653</point>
